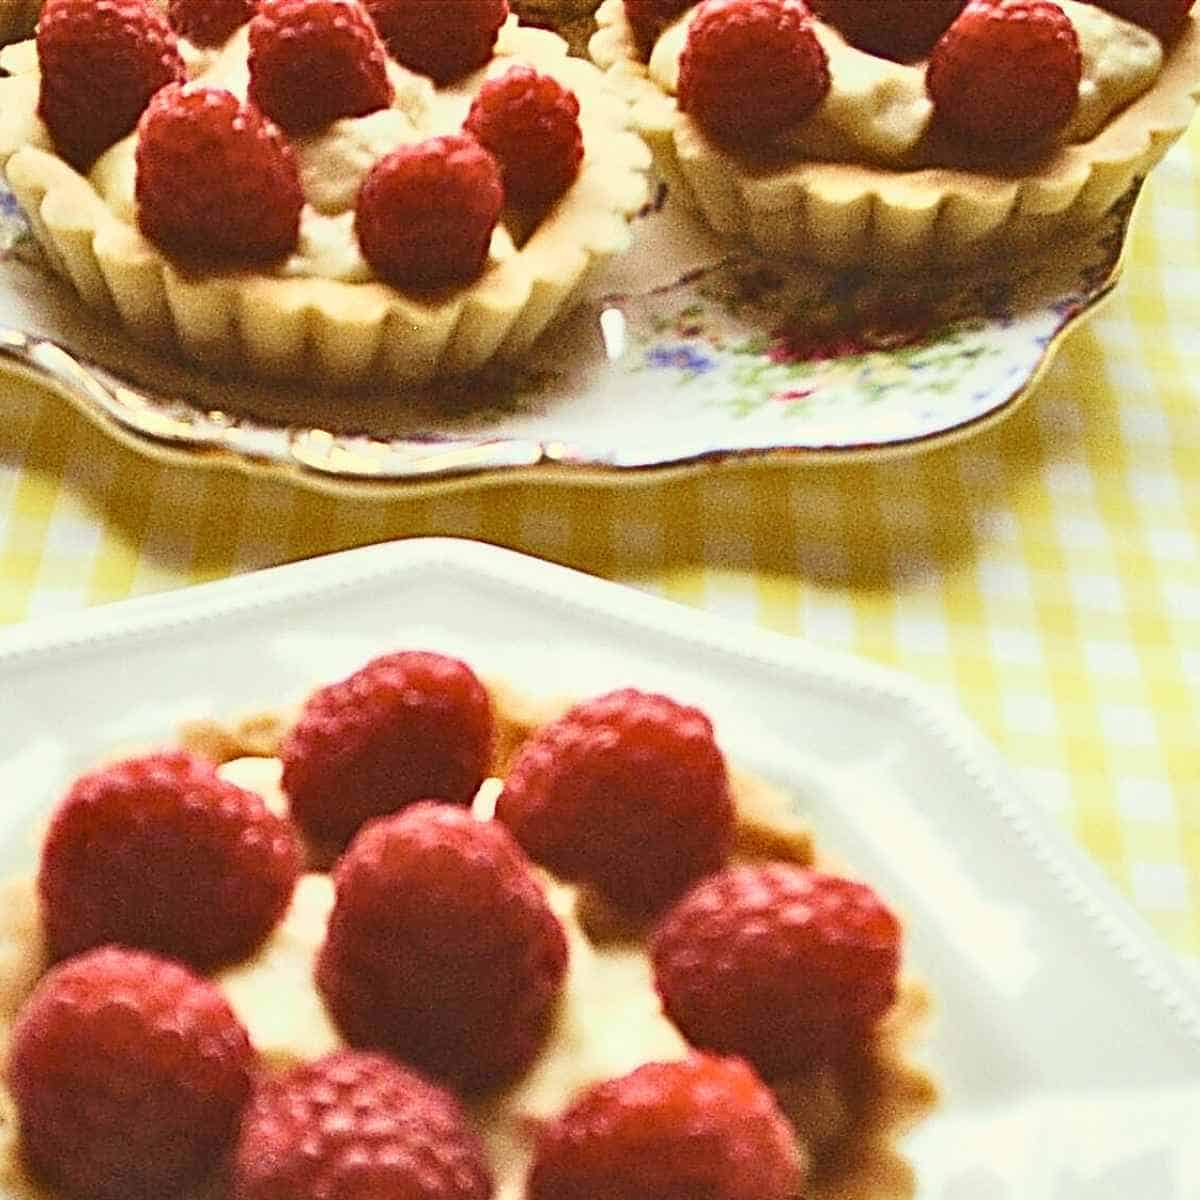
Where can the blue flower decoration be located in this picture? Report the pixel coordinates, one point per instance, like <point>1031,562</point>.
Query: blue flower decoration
<point>679,358</point>
<point>8,202</point>
<point>13,227</point>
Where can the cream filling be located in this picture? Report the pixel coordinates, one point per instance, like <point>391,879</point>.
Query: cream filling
<point>333,163</point>
<point>878,109</point>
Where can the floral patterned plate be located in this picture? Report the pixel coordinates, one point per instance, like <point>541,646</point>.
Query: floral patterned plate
<point>689,352</point>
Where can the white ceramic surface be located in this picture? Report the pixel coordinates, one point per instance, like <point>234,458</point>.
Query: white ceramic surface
<point>1067,1038</point>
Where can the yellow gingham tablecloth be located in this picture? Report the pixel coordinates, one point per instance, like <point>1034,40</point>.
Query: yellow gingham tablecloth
<point>1045,575</point>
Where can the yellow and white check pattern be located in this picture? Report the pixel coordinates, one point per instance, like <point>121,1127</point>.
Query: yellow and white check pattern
<point>1044,575</point>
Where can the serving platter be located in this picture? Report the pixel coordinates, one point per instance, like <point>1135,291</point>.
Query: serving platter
<point>1067,1037</point>
<point>687,352</point>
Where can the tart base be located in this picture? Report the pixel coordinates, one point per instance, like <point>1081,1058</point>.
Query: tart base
<point>331,333</point>
<point>894,220</point>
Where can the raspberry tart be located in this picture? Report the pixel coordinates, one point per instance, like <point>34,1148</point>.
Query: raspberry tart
<point>466,1007</point>
<point>326,189</point>
<point>909,134</point>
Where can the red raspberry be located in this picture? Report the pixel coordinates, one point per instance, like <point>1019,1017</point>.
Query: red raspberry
<point>783,965</point>
<point>530,123</point>
<point>129,1075</point>
<point>160,852</point>
<point>705,1126</point>
<point>751,69</point>
<point>441,947</point>
<point>1006,73</point>
<point>215,179</point>
<point>313,61</point>
<point>209,22</point>
<point>101,61</point>
<point>896,29</point>
<point>443,39</point>
<point>426,213</point>
<point>648,18</point>
<point>628,792</point>
<point>1164,18</point>
<point>356,1124</point>
<point>407,726</point>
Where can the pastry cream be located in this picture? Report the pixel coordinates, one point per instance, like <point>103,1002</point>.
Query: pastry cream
<point>608,1021</point>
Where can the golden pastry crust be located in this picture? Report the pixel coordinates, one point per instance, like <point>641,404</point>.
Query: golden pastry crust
<point>844,214</point>
<point>333,333</point>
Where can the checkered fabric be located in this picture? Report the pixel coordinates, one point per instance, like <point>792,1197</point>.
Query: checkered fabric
<point>1045,575</point>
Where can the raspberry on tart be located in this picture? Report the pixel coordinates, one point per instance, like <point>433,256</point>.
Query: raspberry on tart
<point>785,966</point>
<point>704,1126</point>
<point>215,179</point>
<point>529,122</point>
<point>627,792</point>
<point>100,61</point>
<point>426,213</point>
<point>407,726</point>
<point>160,853</point>
<point>1006,72</point>
<point>441,947</point>
<point>445,40</point>
<point>313,61</point>
<point>751,69</point>
<point>128,1074</point>
<point>356,1124</point>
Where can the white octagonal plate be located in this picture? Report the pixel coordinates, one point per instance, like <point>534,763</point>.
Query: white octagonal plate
<point>1067,1038</point>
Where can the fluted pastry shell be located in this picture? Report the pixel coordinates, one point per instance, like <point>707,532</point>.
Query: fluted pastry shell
<point>332,333</point>
<point>849,1119</point>
<point>847,214</point>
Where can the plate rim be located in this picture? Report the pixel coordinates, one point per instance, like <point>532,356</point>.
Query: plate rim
<point>1063,862</point>
<point>543,467</point>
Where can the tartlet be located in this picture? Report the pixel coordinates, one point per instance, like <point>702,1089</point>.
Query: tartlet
<point>928,205</point>
<point>608,1022</point>
<point>350,329</point>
